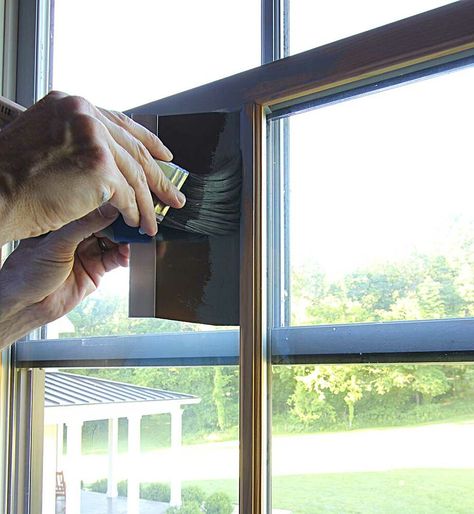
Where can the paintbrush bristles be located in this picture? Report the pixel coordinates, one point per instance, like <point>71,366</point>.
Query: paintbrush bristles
<point>212,202</point>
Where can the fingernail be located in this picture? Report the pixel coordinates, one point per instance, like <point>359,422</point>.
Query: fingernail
<point>108,210</point>
<point>168,154</point>
<point>181,199</point>
<point>141,231</point>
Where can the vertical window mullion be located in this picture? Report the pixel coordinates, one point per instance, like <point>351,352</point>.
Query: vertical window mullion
<point>273,30</point>
<point>275,43</point>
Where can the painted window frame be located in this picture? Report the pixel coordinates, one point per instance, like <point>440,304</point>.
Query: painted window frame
<point>417,45</point>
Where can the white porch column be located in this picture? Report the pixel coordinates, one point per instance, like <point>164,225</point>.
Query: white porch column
<point>49,468</point>
<point>59,450</point>
<point>176,440</point>
<point>72,476</point>
<point>133,506</point>
<point>112,450</point>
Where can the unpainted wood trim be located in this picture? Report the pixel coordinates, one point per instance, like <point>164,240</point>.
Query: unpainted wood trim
<point>252,412</point>
<point>36,436</point>
<point>419,39</point>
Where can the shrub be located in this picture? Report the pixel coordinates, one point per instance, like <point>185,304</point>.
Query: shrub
<point>122,488</point>
<point>193,493</point>
<point>155,491</point>
<point>186,508</point>
<point>218,503</point>
<point>99,486</point>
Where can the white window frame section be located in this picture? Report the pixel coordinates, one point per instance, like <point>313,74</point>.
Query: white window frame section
<point>295,83</point>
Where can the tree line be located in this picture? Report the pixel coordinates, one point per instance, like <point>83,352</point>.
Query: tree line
<point>320,397</point>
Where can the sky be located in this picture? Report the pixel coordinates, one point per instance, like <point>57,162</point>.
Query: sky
<point>378,177</point>
<point>121,54</point>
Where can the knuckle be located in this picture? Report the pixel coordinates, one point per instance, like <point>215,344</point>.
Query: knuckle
<point>97,156</point>
<point>55,95</point>
<point>121,119</point>
<point>86,127</point>
<point>75,104</point>
<point>163,184</point>
<point>143,155</point>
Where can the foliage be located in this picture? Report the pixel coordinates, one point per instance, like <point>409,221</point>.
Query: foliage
<point>218,503</point>
<point>193,493</point>
<point>155,491</point>
<point>186,508</point>
<point>99,486</point>
<point>201,418</point>
<point>337,390</point>
<point>122,488</point>
<point>435,284</point>
<point>100,315</point>
<point>225,397</point>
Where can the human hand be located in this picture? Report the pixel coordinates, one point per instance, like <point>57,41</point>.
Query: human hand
<point>46,277</point>
<point>63,158</point>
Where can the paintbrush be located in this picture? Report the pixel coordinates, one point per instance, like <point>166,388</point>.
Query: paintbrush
<point>212,200</point>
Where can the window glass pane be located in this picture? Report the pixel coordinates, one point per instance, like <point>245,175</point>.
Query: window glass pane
<point>380,205</point>
<point>372,439</point>
<point>105,312</point>
<point>120,54</point>
<point>170,433</point>
<point>313,24</point>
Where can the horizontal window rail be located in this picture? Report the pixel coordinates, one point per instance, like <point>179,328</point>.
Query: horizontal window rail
<point>404,341</point>
<point>220,347</point>
<point>414,43</point>
<point>372,85</point>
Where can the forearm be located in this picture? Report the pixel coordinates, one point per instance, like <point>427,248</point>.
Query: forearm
<point>8,208</point>
<point>16,317</point>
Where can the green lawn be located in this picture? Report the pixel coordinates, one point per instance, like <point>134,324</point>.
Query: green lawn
<point>411,491</point>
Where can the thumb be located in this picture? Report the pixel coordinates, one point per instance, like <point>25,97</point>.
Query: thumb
<point>76,231</point>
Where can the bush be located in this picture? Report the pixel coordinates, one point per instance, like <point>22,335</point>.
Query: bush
<point>155,491</point>
<point>186,508</point>
<point>193,493</point>
<point>122,488</point>
<point>99,486</point>
<point>218,503</point>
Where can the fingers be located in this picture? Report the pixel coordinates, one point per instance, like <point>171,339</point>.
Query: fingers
<point>136,178</point>
<point>118,181</point>
<point>119,156</point>
<point>69,236</point>
<point>142,145</point>
<point>96,261</point>
<point>152,142</point>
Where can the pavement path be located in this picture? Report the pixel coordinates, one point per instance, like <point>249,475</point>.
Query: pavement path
<point>447,445</point>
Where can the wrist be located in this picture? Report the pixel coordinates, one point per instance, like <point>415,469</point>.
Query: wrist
<point>10,301</point>
<point>8,218</point>
<point>18,325</point>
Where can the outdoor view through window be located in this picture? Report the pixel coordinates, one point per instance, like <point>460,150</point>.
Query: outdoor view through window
<point>144,439</point>
<point>381,229</point>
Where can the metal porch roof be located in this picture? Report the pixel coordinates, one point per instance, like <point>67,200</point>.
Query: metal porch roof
<point>63,389</point>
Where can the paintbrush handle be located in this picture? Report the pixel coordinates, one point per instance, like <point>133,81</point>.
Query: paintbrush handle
<point>9,110</point>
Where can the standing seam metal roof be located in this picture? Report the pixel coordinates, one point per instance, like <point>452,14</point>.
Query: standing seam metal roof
<point>63,389</point>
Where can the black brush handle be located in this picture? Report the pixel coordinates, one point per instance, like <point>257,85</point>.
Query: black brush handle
<point>120,232</point>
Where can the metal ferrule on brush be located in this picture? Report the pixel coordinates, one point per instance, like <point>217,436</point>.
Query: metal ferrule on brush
<point>177,176</point>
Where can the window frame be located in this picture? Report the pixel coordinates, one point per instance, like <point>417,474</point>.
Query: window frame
<point>342,69</point>
<point>415,45</point>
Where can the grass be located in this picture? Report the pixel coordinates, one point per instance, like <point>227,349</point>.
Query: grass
<point>417,491</point>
